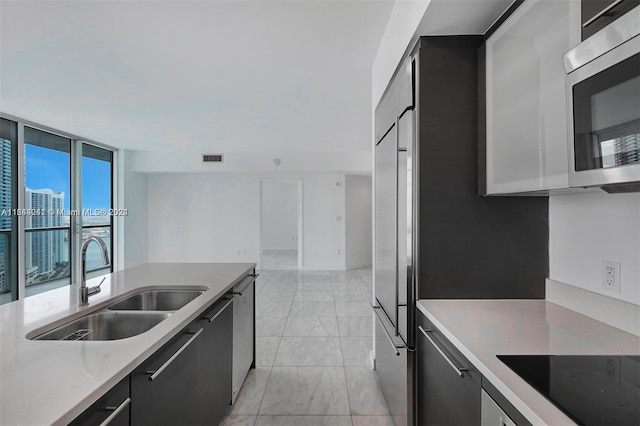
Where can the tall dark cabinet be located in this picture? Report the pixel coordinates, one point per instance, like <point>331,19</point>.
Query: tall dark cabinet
<point>441,239</point>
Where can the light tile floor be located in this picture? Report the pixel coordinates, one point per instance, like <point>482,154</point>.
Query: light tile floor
<point>280,259</point>
<point>313,340</point>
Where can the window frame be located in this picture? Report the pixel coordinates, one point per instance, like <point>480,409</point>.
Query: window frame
<point>18,253</point>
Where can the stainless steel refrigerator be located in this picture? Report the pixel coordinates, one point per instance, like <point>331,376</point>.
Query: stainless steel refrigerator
<point>394,212</point>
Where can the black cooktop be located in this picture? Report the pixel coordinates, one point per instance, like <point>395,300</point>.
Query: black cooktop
<point>591,389</point>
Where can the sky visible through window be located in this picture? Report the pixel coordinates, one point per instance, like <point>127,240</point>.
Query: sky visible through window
<point>49,168</point>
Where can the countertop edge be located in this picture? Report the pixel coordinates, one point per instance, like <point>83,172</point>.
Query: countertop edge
<point>524,409</point>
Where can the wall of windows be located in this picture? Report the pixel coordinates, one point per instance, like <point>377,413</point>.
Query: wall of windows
<point>66,185</point>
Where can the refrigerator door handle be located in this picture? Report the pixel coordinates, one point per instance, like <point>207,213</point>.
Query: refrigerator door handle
<point>393,344</point>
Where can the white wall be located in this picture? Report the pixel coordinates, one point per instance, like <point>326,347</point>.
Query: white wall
<point>214,218</point>
<point>131,229</point>
<point>358,221</point>
<point>203,218</point>
<point>279,215</point>
<point>586,229</point>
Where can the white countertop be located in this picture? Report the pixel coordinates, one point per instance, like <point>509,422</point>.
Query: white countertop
<point>51,382</point>
<point>482,329</point>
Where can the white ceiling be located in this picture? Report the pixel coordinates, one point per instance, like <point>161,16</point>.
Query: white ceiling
<point>195,75</point>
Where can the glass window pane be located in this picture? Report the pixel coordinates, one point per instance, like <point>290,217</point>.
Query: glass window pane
<point>8,279</point>
<point>96,202</point>
<point>47,202</point>
<point>49,260</point>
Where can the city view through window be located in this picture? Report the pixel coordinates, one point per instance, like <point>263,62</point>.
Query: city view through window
<point>48,209</point>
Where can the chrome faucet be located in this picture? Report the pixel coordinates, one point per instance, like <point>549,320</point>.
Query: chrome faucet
<point>84,291</point>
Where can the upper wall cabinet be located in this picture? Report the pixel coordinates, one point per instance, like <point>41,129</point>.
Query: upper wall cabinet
<point>526,127</point>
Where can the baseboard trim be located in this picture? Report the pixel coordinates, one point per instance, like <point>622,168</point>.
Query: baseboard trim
<point>614,312</point>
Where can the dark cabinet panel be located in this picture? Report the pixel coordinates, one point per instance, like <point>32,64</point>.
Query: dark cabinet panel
<point>112,409</point>
<point>164,388</point>
<point>448,385</point>
<point>597,14</point>
<point>216,362</point>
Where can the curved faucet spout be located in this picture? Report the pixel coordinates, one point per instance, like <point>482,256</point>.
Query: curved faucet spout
<point>84,291</point>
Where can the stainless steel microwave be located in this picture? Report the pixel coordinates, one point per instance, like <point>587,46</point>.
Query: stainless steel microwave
<point>603,94</point>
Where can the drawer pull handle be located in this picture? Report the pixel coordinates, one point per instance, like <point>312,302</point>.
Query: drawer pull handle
<point>219,312</point>
<point>252,279</point>
<point>156,373</point>
<point>458,370</point>
<point>116,410</point>
<point>601,13</point>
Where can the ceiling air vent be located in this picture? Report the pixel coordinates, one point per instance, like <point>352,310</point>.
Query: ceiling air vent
<point>212,158</point>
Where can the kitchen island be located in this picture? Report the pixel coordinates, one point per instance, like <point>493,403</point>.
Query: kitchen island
<point>52,382</point>
<point>482,329</point>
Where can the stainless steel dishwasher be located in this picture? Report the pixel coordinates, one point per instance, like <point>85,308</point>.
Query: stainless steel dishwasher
<point>243,332</point>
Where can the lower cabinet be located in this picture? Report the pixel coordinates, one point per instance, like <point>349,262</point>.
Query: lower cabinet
<point>188,380</point>
<point>112,409</point>
<point>448,385</point>
<point>164,388</point>
<point>216,362</point>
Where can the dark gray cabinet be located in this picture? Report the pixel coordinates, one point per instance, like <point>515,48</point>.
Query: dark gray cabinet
<point>216,362</point>
<point>448,385</point>
<point>188,380</point>
<point>597,14</point>
<point>164,388</point>
<point>111,409</point>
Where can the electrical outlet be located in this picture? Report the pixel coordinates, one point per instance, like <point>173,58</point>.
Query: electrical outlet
<point>611,276</point>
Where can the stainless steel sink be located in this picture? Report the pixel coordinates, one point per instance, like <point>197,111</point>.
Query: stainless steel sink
<point>105,325</point>
<point>156,300</point>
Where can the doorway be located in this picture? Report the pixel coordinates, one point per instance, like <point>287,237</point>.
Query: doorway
<point>281,224</point>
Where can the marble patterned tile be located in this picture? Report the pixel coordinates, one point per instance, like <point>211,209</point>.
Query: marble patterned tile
<point>272,309</point>
<point>238,420</point>
<point>277,284</point>
<point>361,295</point>
<point>356,350</point>
<point>312,309</point>
<point>352,309</point>
<point>268,295</point>
<point>252,391</point>
<point>314,296</point>
<point>365,395</point>
<point>372,421</point>
<point>304,421</point>
<point>356,326</point>
<point>306,391</point>
<point>309,351</point>
<point>266,350</point>
<point>267,326</point>
<point>311,326</point>
<point>357,285</point>
<point>321,285</point>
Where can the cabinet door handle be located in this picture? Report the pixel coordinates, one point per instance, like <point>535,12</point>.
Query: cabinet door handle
<point>458,370</point>
<point>116,411</point>
<point>156,373</point>
<point>219,312</point>
<point>253,278</point>
<point>601,13</point>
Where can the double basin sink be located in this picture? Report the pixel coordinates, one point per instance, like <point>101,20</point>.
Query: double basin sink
<point>128,317</point>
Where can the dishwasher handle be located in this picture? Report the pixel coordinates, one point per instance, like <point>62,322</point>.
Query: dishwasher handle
<point>156,373</point>
<point>219,311</point>
<point>252,278</point>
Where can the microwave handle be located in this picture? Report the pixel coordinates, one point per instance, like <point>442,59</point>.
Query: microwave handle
<point>601,13</point>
